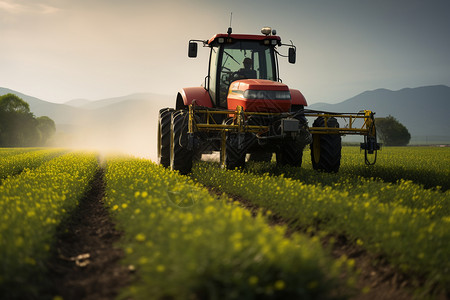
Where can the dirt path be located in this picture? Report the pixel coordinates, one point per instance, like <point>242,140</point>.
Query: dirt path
<point>86,263</point>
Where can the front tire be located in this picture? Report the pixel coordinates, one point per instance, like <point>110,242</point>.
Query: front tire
<point>290,153</point>
<point>234,157</point>
<point>326,148</point>
<point>260,156</point>
<point>180,156</point>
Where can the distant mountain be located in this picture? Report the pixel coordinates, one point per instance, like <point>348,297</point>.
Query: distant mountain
<point>87,104</point>
<point>60,113</point>
<point>423,110</point>
<point>81,111</point>
<point>77,102</point>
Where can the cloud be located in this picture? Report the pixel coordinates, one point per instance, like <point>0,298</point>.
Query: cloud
<point>26,7</point>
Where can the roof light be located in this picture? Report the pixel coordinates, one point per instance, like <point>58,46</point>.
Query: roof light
<point>266,30</point>
<point>221,40</point>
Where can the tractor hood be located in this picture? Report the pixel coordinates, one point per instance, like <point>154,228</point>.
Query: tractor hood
<point>258,84</point>
<point>259,95</point>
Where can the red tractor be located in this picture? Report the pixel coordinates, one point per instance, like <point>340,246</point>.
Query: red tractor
<point>243,108</point>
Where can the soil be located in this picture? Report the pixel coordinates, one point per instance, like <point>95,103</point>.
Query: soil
<point>85,263</point>
<point>376,278</point>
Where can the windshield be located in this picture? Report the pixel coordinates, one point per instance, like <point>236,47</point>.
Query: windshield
<point>244,60</point>
<point>248,58</point>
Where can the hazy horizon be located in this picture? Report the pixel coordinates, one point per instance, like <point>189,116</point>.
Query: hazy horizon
<point>64,50</point>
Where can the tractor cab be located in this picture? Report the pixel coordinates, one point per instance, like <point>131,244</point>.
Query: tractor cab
<point>244,67</point>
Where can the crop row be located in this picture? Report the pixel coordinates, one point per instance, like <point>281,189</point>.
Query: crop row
<point>428,166</point>
<point>406,223</point>
<point>186,243</point>
<point>4,152</point>
<point>32,205</point>
<point>13,162</point>
<point>434,203</point>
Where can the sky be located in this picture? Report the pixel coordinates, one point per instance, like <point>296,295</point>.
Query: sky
<point>59,50</point>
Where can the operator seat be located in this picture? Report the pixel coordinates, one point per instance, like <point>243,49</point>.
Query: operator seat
<point>246,74</point>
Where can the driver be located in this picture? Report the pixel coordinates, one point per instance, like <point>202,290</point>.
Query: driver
<point>247,71</point>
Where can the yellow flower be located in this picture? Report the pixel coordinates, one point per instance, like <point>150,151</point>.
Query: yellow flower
<point>253,280</point>
<point>140,237</point>
<point>160,268</point>
<point>237,246</point>
<point>365,290</point>
<point>351,263</point>
<point>280,285</point>
<point>143,260</point>
<point>19,241</point>
<point>395,234</point>
<point>30,260</point>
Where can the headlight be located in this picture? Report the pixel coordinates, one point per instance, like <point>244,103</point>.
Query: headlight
<point>269,95</point>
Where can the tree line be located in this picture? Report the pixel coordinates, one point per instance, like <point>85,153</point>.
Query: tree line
<point>391,132</point>
<point>18,125</point>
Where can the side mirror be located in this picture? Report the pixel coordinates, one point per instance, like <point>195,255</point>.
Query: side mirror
<point>192,52</point>
<point>292,55</point>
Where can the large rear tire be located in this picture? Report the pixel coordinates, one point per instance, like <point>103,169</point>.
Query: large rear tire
<point>163,148</point>
<point>180,156</point>
<point>326,148</point>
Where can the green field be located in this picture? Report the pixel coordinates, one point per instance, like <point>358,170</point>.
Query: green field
<point>185,241</point>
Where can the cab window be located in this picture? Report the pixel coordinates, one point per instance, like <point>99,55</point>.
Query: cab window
<point>244,60</point>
